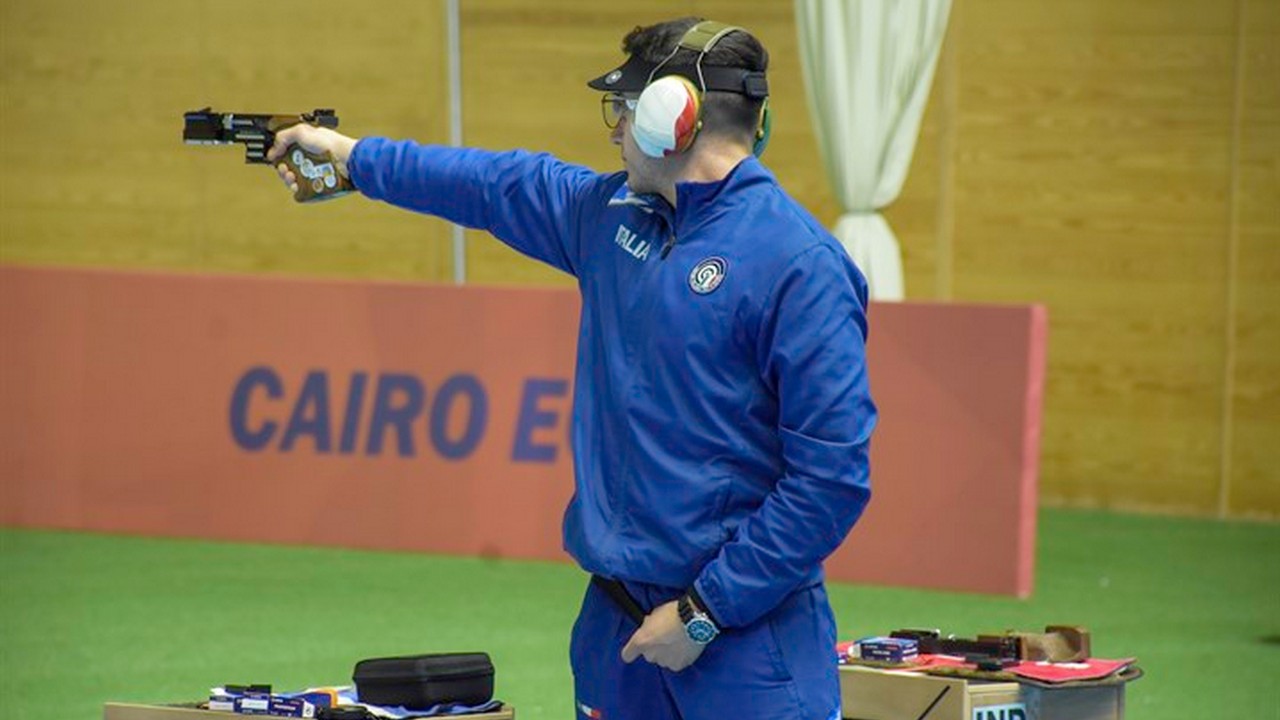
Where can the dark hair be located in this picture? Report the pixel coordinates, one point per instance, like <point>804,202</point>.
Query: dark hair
<point>722,112</point>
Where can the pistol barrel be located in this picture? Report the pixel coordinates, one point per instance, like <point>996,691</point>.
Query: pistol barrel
<point>256,132</point>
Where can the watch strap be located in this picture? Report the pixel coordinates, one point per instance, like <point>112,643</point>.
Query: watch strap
<point>701,606</point>
<point>685,606</point>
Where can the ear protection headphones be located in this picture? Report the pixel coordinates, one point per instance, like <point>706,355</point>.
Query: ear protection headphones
<point>668,114</point>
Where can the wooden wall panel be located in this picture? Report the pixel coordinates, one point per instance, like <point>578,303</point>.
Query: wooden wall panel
<point>1076,154</point>
<point>793,148</point>
<point>920,217</point>
<point>95,170</point>
<point>525,69</point>
<point>1093,176</point>
<point>1254,460</point>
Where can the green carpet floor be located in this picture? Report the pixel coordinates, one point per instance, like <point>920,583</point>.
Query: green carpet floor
<point>89,618</point>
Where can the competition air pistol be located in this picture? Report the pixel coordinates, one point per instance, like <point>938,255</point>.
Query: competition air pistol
<point>318,176</point>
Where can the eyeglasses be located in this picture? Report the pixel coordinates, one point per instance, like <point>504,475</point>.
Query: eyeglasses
<point>613,106</point>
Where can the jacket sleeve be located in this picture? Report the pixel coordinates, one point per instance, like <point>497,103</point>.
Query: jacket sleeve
<point>528,201</point>
<point>812,352</point>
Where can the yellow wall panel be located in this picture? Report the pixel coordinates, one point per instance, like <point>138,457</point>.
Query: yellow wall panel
<point>793,149</point>
<point>95,170</point>
<point>1254,462</point>
<point>1077,154</point>
<point>525,69</point>
<point>1093,175</point>
<point>919,217</point>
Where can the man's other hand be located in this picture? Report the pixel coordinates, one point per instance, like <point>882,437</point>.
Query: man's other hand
<point>662,640</point>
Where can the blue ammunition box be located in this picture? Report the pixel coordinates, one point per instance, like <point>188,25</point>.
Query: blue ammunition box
<point>887,649</point>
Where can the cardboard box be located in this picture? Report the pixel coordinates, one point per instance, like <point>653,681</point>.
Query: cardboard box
<point>127,711</point>
<point>1095,702</point>
<point>873,694</point>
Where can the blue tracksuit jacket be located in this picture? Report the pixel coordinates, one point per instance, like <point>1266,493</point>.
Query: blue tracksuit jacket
<point>720,431</point>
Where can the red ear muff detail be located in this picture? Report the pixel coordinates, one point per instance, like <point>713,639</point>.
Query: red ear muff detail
<point>667,116</point>
<point>688,123</point>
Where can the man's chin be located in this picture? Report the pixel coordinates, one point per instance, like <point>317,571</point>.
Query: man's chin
<point>637,186</point>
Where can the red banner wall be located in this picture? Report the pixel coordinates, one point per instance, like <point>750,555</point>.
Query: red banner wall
<point>435,418</point>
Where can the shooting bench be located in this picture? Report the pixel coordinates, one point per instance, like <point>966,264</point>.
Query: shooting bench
<point>190,711</point>
<point>876,694</point>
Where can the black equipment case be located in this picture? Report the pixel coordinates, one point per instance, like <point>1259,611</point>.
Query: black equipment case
<point>418,682</point>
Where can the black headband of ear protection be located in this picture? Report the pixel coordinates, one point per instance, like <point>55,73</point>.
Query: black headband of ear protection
<point>633,75</point>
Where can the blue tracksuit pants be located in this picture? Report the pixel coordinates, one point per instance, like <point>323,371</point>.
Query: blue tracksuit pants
<point>781,667</point>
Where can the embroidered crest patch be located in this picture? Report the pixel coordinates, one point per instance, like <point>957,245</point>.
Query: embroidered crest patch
<point>707,275</point>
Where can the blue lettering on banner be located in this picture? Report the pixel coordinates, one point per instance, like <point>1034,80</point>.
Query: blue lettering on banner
<point>310,414</point>
<point>457,419</point>
<point>533,417</point>
<point>459,385</point>
<point>398,413</point>
<point>351,418</point>
<point>246,438</point>
<point>1012,711</point>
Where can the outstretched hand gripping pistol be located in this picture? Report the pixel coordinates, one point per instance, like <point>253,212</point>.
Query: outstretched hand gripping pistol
<point>318,176</point>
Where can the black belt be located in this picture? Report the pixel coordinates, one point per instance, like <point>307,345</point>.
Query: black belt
<point>618,593</point>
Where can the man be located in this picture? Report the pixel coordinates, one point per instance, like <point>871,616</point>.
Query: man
<point>721,408</point>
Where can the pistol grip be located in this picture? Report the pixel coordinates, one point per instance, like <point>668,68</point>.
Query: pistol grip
<point>317,175</point>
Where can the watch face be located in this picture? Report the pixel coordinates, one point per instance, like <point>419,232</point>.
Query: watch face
<point>701,630</point>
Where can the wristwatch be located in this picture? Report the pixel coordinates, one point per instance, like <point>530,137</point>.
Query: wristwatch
<point>698,625</point>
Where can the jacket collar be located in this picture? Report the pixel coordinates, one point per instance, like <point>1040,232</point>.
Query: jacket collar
<point>697,202</point>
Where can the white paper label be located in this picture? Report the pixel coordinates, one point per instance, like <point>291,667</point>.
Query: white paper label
<point>1013,711</point>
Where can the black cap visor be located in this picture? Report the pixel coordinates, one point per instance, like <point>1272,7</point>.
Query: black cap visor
<point>633,75</point>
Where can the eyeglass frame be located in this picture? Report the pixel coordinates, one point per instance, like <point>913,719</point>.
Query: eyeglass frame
<point>610,103</point>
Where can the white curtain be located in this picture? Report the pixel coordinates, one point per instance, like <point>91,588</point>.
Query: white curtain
<point>868,65</point>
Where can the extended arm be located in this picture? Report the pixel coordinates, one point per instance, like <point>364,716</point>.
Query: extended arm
<point>532,202</point>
